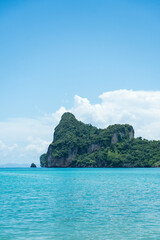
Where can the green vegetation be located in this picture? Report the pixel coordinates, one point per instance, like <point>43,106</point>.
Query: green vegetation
<point>43,160</point>
<point>77,144</point>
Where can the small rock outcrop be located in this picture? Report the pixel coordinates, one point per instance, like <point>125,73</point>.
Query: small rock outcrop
<point>33,165</point>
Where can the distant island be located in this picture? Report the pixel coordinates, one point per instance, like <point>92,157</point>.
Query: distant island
<point>76,144</point>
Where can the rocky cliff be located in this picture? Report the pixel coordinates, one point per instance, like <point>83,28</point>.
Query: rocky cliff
<point>76,144</point>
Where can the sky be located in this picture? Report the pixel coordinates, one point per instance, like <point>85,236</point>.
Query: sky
<point>99,59</point>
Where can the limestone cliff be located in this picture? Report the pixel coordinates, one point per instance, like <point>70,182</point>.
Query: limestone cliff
<point>75,141</point>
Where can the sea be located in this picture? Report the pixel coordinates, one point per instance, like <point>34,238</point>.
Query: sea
<point>79,204</point>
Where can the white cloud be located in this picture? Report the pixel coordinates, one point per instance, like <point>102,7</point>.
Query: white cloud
<point>7,148</point>
<point>20,129</point>
<point>38,145</point>
<point>138,108</point>
<point>23,140</point>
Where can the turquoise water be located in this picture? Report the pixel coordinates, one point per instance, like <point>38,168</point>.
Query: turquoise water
<point>79,204</point>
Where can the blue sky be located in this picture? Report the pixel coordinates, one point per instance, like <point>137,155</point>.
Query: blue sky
<point>52,50</point>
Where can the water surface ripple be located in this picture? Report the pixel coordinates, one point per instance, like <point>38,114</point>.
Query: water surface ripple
<point>79,204</point>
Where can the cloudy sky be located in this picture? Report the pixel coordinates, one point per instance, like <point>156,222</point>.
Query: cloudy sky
<point>99,59</point>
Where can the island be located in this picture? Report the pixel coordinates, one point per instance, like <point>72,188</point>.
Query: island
<point>79,145</point>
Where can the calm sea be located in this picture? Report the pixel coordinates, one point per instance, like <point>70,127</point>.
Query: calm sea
<point>79,204</point>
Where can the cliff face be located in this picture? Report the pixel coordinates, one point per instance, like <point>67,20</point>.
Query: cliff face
<point>74,140</point>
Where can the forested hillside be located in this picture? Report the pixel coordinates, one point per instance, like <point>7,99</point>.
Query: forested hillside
<point>76,144</point>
